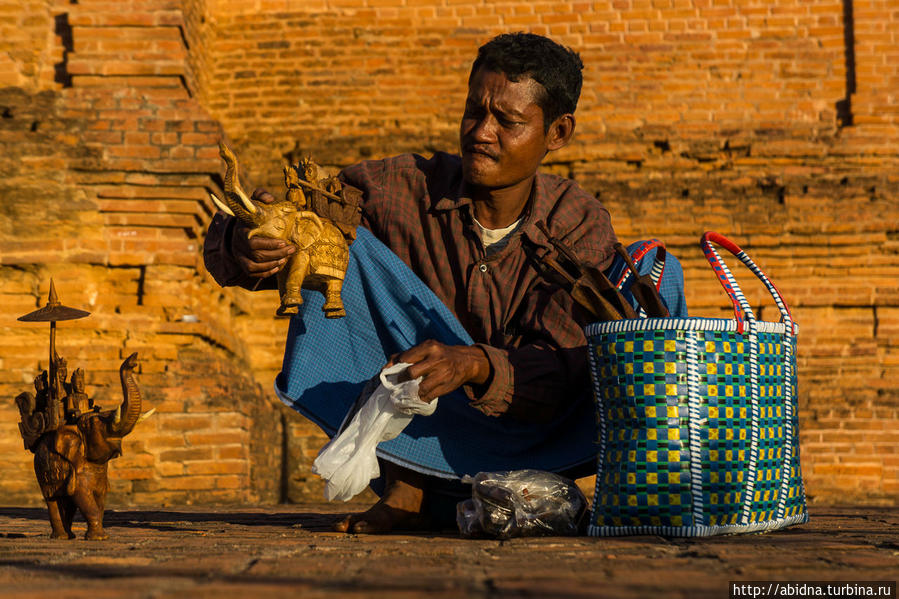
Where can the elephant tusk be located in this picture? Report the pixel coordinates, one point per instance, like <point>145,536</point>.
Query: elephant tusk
<point>220,205</point>
<point>146,415</point>
<point>251,208</point>
<point>118,415</point>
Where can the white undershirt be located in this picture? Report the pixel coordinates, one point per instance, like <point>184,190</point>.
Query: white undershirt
<point>496,239</point>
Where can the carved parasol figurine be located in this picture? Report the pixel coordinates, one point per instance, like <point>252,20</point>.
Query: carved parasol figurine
<point>71,438</point>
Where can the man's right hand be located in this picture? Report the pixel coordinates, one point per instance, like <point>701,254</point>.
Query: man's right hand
<point>259,257</point>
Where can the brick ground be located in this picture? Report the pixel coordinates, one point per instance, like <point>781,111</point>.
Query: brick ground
<point>289,550</point>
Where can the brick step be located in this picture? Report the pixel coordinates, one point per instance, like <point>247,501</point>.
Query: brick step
<point>152,206</point>
<point>152,164</point>
<point>153,220</point>
<point>158,65</point>
<point>172,82</point>
<point>155,193</point>
<point>126,41</point>
<point>114,14</point>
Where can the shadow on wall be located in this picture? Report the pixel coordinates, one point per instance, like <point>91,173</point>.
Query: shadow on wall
<point>844,106</point>
<point>63,29</point>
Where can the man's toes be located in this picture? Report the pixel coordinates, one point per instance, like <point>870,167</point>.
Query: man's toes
<point>365,523</point>
<point>343,525</point>
<point>369,526</point>
<point>362,527</point>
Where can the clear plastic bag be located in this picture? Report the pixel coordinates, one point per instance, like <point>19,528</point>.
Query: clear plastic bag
<point>521,503</point>
<point>348,462</point>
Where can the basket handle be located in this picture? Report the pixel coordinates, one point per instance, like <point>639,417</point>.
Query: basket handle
<point>727,280</point>
<point>658,265</point>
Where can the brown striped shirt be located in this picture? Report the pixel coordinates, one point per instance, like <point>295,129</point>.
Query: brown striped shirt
<point>527,326</point>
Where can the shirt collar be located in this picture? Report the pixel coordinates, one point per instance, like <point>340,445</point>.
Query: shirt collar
<point>539,207</point>
<point>455,197</point>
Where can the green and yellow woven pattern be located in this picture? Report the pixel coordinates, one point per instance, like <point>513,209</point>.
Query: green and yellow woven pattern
<point>686,450</point>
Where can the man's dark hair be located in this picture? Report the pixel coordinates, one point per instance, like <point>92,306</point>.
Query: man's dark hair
<point>553,66</point>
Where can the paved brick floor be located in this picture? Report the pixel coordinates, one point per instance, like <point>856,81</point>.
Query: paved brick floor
<point>289,551</point>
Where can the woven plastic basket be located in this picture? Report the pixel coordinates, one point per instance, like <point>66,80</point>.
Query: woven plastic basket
<point>698,427</point>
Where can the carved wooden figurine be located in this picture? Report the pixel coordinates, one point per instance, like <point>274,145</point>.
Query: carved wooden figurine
<point>321,226</point>
<point>72,439</point>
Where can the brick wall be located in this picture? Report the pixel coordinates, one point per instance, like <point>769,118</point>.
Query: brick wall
<point>876,74</point>
<point>106,171</point>
<point>772,122</point>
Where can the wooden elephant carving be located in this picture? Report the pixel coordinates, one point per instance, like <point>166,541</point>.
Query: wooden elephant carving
<point>320,222</point>
<point>73,441</point>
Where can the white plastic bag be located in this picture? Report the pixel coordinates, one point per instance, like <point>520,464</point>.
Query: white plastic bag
<point>348,462</point>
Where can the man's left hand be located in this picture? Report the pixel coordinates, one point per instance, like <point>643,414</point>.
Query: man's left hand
<point>444,368</point>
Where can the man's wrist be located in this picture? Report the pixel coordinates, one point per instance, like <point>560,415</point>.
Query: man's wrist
<point>480,366</point>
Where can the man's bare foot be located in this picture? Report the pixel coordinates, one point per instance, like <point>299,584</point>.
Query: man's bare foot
<point>400,508</point>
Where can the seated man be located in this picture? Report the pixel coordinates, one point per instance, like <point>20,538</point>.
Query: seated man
<point>513,372</point>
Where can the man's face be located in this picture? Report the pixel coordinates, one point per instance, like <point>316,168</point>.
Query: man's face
<point>502,136</point>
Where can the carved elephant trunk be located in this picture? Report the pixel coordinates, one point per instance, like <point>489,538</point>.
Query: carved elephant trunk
<point>129,411</point>
<point>236,201</point>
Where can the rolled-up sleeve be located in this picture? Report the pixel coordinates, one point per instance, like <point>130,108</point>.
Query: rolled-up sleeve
<point>533,379</point>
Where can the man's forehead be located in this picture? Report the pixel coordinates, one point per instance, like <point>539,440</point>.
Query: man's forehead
<point>527,84</point>
<point>485,70</point>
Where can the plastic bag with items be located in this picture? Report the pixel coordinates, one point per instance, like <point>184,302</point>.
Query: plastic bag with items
<point>521,503</point>
<point>348,462</point>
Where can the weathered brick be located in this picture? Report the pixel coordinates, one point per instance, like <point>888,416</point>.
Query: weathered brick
<point>216,467</point>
